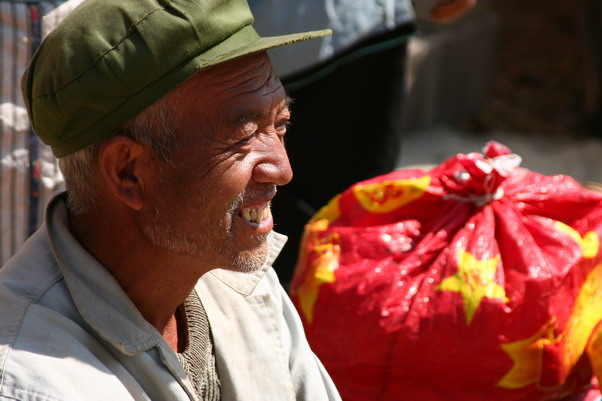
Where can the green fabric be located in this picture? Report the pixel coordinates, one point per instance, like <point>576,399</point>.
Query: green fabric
<point>110,59</point>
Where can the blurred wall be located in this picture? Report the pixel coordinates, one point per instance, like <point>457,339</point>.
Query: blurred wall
<point>450,68</point>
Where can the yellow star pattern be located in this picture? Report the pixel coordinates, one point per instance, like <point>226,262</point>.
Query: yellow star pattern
<point>326,215</point>
<point>587,313</point>
<point>475,281</point>
<point>324,262</point>
<point>389,195</point>
<point>527,357</point>
<point>594,351</point>
<point>320,260</point>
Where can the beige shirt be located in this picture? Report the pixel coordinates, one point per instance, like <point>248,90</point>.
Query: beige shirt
<point>69,332</point>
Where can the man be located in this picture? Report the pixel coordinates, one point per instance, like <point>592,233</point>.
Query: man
<point>151,277</point>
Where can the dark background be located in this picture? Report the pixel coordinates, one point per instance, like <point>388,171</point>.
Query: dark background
<point>545,75</point>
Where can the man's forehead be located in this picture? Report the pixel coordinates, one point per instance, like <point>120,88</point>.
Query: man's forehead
<point>250,72</point>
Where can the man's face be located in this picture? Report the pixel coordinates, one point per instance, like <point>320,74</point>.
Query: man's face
<point>213,202</point>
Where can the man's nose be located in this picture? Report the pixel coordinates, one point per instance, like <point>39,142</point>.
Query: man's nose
<point>274,167</point>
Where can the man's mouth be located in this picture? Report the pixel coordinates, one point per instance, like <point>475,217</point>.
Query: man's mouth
<point>255,215</point>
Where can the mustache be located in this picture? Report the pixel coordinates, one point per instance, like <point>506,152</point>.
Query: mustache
<point>252,195</point>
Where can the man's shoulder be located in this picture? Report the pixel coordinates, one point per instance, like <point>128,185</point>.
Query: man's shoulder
<point>47,352</point>
<point>24,280</point>
<point>53,358</point>
<point>36,345</point>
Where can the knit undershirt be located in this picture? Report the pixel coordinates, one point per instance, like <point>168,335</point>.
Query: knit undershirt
<point>198,359</point>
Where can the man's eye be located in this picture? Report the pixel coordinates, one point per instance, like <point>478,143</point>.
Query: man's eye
<point>245,141</point>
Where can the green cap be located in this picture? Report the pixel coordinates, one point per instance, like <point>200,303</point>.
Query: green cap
<point>111,59</point>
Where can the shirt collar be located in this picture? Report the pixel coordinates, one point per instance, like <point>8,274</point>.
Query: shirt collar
<point>245,283</point>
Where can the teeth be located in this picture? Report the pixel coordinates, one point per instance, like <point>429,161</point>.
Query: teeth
<point>266,213</point>
<point>255,215</point>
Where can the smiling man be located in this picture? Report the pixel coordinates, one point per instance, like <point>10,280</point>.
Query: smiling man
<point>151,277</point>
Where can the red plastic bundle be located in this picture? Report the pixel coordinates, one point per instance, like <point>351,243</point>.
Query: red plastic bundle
<point>476,280</point>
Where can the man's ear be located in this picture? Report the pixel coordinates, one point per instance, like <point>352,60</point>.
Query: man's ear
<point>125,169</point>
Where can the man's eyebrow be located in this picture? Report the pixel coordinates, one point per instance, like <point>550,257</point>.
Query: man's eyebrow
<point>255,115</point>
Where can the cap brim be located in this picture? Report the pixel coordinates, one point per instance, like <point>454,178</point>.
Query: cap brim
<point>247,41</point>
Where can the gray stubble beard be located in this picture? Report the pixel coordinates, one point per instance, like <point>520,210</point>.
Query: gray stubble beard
<point>158,228</point>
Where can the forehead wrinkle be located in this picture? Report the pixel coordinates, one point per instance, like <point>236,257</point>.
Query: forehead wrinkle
<point>222,75</point>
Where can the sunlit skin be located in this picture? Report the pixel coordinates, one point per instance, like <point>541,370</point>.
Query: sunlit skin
<point>163,225</point>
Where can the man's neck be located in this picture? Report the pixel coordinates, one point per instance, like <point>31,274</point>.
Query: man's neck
<point>157,281</point>
<point>175,332</point>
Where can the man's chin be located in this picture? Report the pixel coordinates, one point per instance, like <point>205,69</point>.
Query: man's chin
<point>250,260</point>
